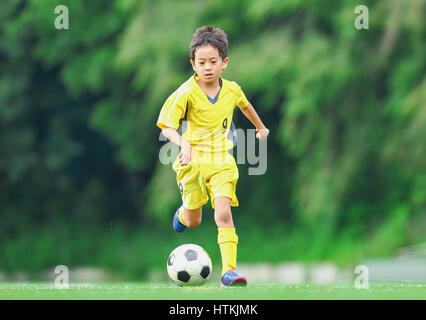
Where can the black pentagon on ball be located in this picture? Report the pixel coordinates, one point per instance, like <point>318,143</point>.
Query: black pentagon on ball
<point>191,255</point>
<point>205,272</point>
<point>171,259</point>
<point>183,276</point>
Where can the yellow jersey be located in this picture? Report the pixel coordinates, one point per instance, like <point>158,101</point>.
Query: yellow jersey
<point>208,120</point>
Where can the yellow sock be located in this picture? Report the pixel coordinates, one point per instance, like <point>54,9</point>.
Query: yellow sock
<point>228,240</point>
<point>180,214</point>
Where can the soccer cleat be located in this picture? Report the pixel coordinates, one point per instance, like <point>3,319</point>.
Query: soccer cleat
<point>177,225</point>
<point>232,279</point>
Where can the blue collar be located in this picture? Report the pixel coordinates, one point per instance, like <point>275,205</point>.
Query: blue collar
<point>214,100</point>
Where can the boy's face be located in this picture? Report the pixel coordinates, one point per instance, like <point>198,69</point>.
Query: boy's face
<point>208,64</point>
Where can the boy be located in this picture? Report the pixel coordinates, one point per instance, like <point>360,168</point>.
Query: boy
<point>207,101</point>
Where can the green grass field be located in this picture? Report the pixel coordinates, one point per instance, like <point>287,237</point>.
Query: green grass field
<point>166,291</point>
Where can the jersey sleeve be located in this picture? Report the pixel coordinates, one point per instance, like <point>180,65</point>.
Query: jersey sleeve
<point>242,101</point>
<point>173,110</point>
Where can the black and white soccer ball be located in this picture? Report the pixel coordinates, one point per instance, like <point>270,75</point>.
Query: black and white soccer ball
<point>189,265</point>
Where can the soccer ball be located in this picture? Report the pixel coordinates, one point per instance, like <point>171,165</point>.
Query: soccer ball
<point>189,265</point>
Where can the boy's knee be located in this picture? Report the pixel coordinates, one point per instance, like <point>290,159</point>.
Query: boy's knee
<point>194,223</point>
<point>223,215</point>
<point>193,217</point>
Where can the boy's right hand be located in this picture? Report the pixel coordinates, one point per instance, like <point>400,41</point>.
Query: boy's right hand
<point>185,153</point>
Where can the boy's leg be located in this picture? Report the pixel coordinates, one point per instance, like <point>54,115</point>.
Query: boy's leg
<point>222,212</point>
<point>194,194</point>
<point>191,217</point>
<point>227,240</point>
<point>184,218</point>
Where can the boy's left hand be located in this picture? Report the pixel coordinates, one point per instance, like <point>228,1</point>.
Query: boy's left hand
<point>261,134</point>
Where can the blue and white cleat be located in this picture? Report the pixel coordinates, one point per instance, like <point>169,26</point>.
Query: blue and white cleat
<point>177,225</point>
<point>233,279</point>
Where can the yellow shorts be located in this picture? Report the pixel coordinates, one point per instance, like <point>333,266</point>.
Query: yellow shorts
<point>216,172</point>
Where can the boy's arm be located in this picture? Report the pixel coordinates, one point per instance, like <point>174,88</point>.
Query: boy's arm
<point>252,115</point>
<point>173,136</point>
